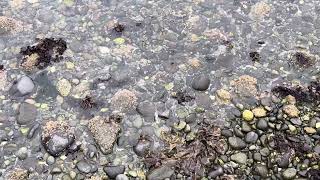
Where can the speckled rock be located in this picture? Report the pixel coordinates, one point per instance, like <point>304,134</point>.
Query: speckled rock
<point>247,115</point>
<point>259,112</point>
<point>56,137</point>
<point>124,100</point>
<point>64,87</point>
<point>101,128</point>
<point>291,110</point>
<point>17,174</point>
<point>289,173</point>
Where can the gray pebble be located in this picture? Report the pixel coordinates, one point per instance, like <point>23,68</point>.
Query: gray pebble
<point>261,170</point>
<point>201,83</point>
<point>122,177</point>
<point>22,153</point>
<point>50,160</point>
<point>265,152</point>
<point>215,173</point>
<point>289,173</point>
<point>27,114</point>
<point>240,158</point>
<point>142,148</point>
<point>284,160</point>
<point>84,167</point>
<point>113,171</point>
<point>160,173</point>
<point>146,109</point>
<point>262,124</point>
<point>226,133</point>
<point>236,143</point>
<point>251,137</point>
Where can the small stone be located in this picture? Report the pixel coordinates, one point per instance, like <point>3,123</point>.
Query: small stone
<point>69,65</point>
<point>260,9</point>
<point>310,130</point>
<point>119,40</point>
<point>146,109</point>
<point>27,114</point>
<point>251,137</point>
<point>50,160</point>
<point>284,160</point>
<point>292,128</point>
<point>261,170</point>
<point>179,126</point>
<point>224,95</point>
<point>201,83</point>
<point>259,112</point>
<point>265,152</point>
<point>160,173</point>
<point>291,110</point>
<point>17,174</point>
<point>122,177</point>
<point>64,87</point>
<point>296,121</point>
<point>247,115</point>
<point>289,173</point>
<point>217,172</point>
<point>262,124</point>
<point>318,125</point>
<point>22,153</point>
<point>84,167</point>
<point>56,170</point>
<point>291,99</point>
<point>56,137</point>
<point>236,143</point>
<point>114,171</point>
<point>101,128</point>
<point>240,158</point>
<point>124,100</point>
<point>24,86</point>
<point>142,148</point>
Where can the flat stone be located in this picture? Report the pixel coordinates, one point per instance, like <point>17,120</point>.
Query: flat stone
<point>289,173</point>
<point>240,158</point>
<point>114,171</point>
<point>160,173</point>
<point>27,114</point>
<point>251,137</point>
<point>236,143</point>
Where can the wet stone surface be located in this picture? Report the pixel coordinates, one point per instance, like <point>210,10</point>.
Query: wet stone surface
<point>122,89</point>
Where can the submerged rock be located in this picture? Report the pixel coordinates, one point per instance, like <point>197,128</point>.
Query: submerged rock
<point>104,132</point>
<point>22,87</point>
<point>56,137</point>
<point>27,114</point>
<point>201,83</point>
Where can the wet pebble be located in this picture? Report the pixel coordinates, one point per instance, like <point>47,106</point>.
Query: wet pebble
<point>201,83</point>
<point>86,167</point>
<point>23,87</point>
<point>27,114</point>
<point>261,170</point>
<point>122,177</point>
<point>216,172</point>
<point>262,124</point>
<point>142,148</point>
<point>289,173</point>
<point>113,171</point>
<point>236,143</point>
<point>284,160</point>
<point>22,153</point>
<point>161,172</point>
<point>251,137</point>
<point>240,158</point>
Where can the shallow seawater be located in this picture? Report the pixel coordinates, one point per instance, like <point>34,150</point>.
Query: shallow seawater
<point>158,89</point>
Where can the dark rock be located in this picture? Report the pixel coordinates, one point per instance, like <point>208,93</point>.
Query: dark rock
<point>262,124</point>
<point>113,171</point>
<point>33,130</point>
<point>226,133</point>
<point>201,83</point>
<point>238,133</point>
<point>56,144</point>
<point>27,114</point>
<point>160,173</point>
